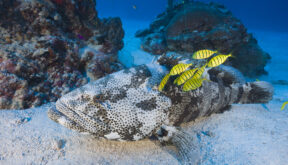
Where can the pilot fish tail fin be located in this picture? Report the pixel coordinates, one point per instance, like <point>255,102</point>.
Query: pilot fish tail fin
<point>230,55</point>
<point>256,92</point>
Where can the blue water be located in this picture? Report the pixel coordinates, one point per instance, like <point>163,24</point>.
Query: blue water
<point>269,15</point>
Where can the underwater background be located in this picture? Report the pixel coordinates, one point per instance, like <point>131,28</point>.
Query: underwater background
<point>255,14</point>
<point>265,19</point>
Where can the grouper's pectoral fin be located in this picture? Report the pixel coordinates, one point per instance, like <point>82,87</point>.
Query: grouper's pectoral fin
<point>186,143</point>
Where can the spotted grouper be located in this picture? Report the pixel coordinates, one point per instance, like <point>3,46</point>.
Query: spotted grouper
<point>127,105</point>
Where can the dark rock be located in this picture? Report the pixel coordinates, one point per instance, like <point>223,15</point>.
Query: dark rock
<point>280,82</point>
<point>112,34</point>
<point>154,43</point>
<point>195,25</point>
<point>49,47</point>
<point>58,144</point>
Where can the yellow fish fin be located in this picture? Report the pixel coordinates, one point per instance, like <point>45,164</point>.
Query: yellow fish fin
<point>230,55</point>
<point>176,80</point>
<point>283,105</point>
<point>163,82</point>
<point>205,79</point>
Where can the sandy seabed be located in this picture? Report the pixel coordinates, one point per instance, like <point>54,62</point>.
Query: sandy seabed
<point>252,134</point>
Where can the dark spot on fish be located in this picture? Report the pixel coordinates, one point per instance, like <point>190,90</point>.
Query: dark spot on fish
<point>141,75</point>
<point>163,132</point>
<point>147,105</point>
<point>193,109</point>
<point>153,138</point>
<point>257,95</point>
<point>226,108</point>
<point>129,134</point>
<point>85,98</point>
<point>101,114</point>
<point>110,97</point>
<point>190,111</point>
<point>116,97</point>
<point>213,74</point>
<point>177,98</point>
<point>99,98</point>
<point>193,114</point>
<point>227,78</point>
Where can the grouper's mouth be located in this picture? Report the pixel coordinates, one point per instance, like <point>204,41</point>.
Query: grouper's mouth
<point>61,107</point>
<point>59,114</point>
<point>79,120</point>
<point>54,114</point>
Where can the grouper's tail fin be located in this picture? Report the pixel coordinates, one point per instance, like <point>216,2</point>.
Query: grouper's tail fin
<point>256,92</point>
<point>186,144</point>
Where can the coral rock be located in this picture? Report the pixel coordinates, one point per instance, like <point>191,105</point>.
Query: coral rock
<point>40,49</point>
<point>193,26</point>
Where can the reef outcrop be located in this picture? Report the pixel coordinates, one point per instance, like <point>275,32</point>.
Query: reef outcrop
<point>49,47</point>
<point>186,28</point>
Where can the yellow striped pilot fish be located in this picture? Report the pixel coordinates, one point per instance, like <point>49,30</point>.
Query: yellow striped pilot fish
<point>176,80</point>
<point>218,60</point>
<point>199,73</point>
<point>185,76</point>
<point>192,84</point>
<point>179,68</point>
<point>202,54</point>
<point>163,82</point>
<point>283,105</point>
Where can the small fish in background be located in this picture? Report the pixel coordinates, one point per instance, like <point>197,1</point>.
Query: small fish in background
<point>80,37</point>
<point>134,7</point>
<point>283,105</point>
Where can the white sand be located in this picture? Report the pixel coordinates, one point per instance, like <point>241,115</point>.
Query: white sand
<point>245,135</point>
<point>35,142</point>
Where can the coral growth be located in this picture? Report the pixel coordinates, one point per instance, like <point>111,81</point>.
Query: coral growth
<point>189,27</point>
<point>41,45</point>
